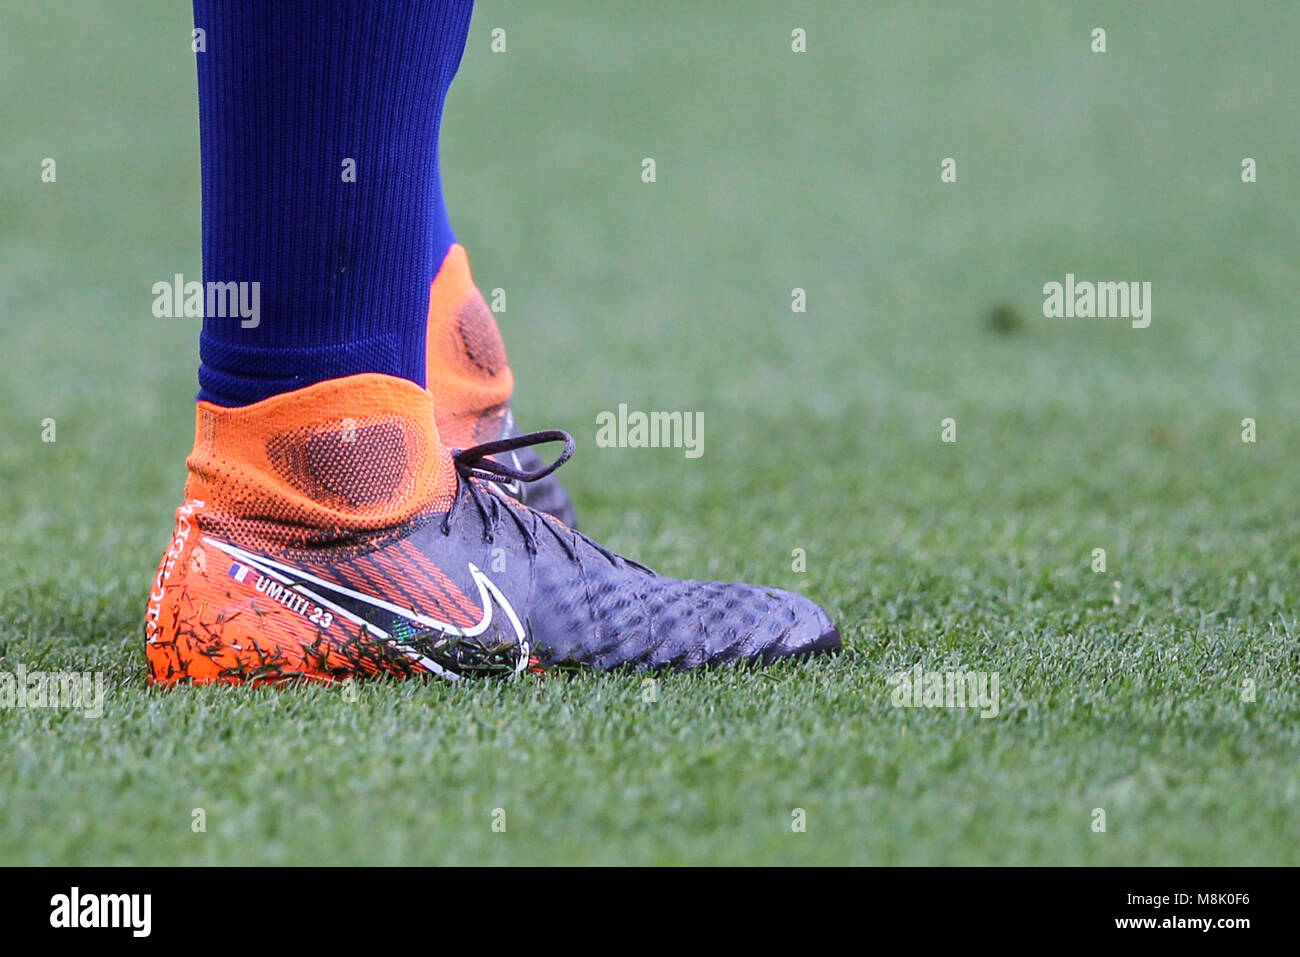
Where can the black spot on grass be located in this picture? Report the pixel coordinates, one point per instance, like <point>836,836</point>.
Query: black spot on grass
<point>1004,320</point>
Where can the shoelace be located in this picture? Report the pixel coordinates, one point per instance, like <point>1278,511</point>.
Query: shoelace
<point>474,460</point>
<point>474,465</point>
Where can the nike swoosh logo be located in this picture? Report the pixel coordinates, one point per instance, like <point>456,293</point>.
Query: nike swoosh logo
<point>317,589</point>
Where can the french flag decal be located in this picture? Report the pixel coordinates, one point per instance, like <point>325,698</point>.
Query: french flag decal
<point>239,572</point>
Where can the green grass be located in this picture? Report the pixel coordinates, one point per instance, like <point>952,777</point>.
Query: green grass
<point>775,170</point>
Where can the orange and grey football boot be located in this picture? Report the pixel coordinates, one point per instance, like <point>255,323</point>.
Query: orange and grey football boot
<point>471,382</point>
<point>328,533</point>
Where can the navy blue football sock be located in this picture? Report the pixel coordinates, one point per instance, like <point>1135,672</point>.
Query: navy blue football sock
<point>319,142</point>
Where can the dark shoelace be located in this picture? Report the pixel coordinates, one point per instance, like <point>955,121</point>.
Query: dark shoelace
<point>474,460</point>
<point>473,465</point>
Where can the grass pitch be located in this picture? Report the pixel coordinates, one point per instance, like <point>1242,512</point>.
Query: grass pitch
<point>1162,691</point>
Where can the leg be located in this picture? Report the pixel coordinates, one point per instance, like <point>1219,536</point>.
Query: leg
<point>330,530</point>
